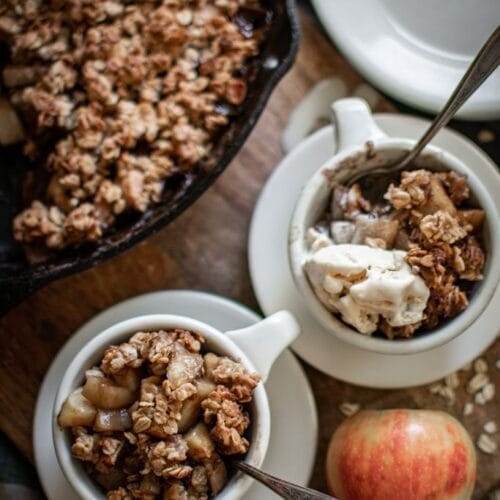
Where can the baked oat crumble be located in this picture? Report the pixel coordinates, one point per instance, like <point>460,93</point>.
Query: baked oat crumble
<point>157,417</point>
<point>117,97</point>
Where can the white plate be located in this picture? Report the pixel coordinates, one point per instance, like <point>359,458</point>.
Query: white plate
<point>294,423</point>
<point>417,51</point>
<point>275,289</point>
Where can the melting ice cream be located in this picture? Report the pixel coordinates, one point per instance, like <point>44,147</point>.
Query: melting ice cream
<point>365,284</point>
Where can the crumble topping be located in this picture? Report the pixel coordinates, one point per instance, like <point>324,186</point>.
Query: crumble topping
<point>158,415</point>
<point>222,408</point>
<point>445,246</point>
<point>441,227</point>
<point>118,97</point>
<point>412,191</point>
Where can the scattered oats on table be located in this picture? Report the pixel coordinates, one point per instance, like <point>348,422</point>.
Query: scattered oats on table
<point>480,365</point>
<point>477,382</point>
<point>349,409</point>
<point>468,409</point>
<point>488,392</point>
<point>487,444</point>
<point>490,427</point>
<point>452,380</point>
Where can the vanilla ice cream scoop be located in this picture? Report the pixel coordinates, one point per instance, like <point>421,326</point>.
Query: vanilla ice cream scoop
<point>363,284</point>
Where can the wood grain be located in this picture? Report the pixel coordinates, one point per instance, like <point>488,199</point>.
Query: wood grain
<point>203,249</point>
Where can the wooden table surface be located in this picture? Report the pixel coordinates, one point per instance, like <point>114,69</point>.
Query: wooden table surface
<point>198,252</point>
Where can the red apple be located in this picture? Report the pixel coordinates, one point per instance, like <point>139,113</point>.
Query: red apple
<point>401,455</point>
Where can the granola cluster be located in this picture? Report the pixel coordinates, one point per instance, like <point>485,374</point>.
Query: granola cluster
<point>158,415</point>
<point>117,96</point>
<point>429,215</point>
<point>444,244</point>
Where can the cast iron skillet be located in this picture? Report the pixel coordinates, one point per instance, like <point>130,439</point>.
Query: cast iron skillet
<point>18,279</point>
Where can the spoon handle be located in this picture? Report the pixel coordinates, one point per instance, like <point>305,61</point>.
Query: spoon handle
<point>486,61</point>
<point>281,487</point>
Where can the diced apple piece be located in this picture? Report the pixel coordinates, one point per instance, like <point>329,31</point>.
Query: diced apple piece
<point>382,228</point>
<point>438,199</point>
<point>199,442</point>
<point>211,362</point>
<point>110,480</point>
<point>217,473</point>
<point>191,407</point>
<point>474,216</point>
<point>105,395</point>
<point>204,387</point>
<point>128,378</point>
<point>112,420</point>
<point>184,367</point>
<point>76,411</point>
<point>189,413</point>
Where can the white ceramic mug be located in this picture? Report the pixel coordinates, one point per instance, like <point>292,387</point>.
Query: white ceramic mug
<point>361,145</point>
<point>256,347</point>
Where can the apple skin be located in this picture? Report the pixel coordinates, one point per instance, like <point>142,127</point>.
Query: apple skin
<point>401,455</point>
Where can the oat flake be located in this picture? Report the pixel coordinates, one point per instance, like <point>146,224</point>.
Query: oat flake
<point>486,444</point>
<point>477,382</point>
<point>349,409</point>
<point>468,409</point>
<point>480,365</point>
<point>490,427</point>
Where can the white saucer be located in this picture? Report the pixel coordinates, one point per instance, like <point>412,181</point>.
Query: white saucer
<point>417,51</point>
<point>294,420</point>
<point>274,287</point>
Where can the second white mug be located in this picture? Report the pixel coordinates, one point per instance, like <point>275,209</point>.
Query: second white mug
<point>361,147</point>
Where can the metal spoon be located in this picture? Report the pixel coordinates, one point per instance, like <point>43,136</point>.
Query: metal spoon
<point>486,61</point>
<point>281,487</point>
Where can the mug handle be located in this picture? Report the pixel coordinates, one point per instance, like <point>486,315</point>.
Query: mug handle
<point>354,123</point>
<point>266,340</point>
